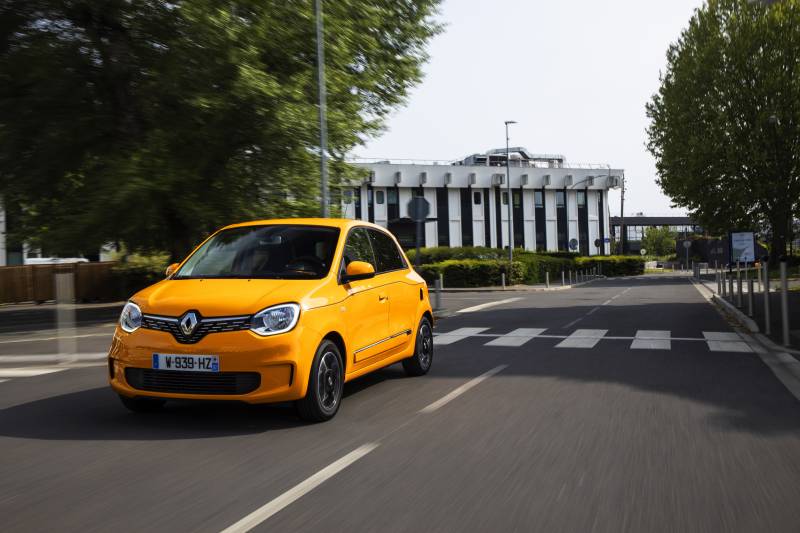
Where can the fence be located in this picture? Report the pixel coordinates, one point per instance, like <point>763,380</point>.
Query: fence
<point>36,283</point>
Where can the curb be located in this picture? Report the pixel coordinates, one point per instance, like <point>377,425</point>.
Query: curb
<point>743,319</point>
<point>517,288</point>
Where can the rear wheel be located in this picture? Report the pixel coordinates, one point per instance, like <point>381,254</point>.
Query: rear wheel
<point>142,405</point>
<point>325,385</point>
<point>420,363</point>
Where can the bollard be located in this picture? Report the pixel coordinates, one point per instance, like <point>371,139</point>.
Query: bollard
<point>750,298</point>
<point>503,280</point>
<point>719,282</point>
<point>437,295</point>
<point>730,287</point>
<point>724,285</point>
<point>570,277</point>
<point>784,303</point>
<point>563,279</point>
<point>547,279</point>
<point>738,286</point>
<point>767,327</point>
<point>441,281</point>
<point>65,312</point>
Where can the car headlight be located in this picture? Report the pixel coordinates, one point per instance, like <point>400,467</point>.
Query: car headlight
<point>131,318</point>
<point>275,319</point>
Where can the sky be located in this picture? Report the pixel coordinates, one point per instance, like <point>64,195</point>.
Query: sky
<point>574,74</point>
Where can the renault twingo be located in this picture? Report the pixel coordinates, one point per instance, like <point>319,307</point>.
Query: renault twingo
<point>274,311</point>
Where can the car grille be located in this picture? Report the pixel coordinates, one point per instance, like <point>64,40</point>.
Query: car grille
<point>203,328</point>
<point>147,379</point>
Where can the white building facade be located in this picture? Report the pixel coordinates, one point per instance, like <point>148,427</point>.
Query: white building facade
<point>554,206</point>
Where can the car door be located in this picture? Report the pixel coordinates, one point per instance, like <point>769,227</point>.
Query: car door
<point>367,305</point>
<point>403,298</point>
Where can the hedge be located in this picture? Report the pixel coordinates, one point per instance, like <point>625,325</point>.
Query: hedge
<point>533,266</point>
<point>473,272</point>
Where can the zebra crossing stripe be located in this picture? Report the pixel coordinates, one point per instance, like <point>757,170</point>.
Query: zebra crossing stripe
<point>457,335</point>
<point>518,337</point>
<point>724,341</point>
<point>647,339</point>
<point>27,372</point>
<point>583,338</point>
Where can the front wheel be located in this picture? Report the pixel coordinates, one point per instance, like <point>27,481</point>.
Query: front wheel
<point>420,363</point>
<point>325,385</point>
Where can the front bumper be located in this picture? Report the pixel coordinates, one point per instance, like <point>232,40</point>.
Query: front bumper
<point>281,361</point>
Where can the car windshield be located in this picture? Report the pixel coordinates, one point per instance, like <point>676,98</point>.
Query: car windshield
<point>267,252</point>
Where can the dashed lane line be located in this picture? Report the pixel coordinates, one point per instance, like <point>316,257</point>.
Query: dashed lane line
<point>298,491</point>
<point>487,305</point>
<point>461,390</point>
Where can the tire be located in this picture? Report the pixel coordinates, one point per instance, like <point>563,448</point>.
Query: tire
<point>325,385</point>
<point>142,405</point>
<point>420,363</point>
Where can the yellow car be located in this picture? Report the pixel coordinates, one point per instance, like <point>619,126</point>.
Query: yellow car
<point>274,311</point>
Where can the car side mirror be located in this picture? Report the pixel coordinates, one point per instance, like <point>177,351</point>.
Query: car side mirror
<point>357,270</point>
<point>171,269</point>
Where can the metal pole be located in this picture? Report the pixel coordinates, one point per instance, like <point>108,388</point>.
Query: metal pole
<point>784,304</point>
<point>738,285</point>
<point>441,280</point>
<point>730,287</point>
<point>547,279</point>
<point>724,285</point>
<point>323,112</point>
<point>750,297</point>
<point>570,277</point>
<point>503,280</point>
<point>563,280</point>
<point>508,191</point>
<point>437,300</point>
<point>767,327</point>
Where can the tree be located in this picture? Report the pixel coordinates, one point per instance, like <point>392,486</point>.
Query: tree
<point>153,122</point>
<point>725,123</point>
<point>659,241</point>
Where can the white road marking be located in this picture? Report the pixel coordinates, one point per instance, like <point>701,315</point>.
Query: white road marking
<point>583,338</point>
<point>461,390</point>
<point>456,335</point>
<point>487,305</point>
<point>3,380</point>
<point>719,341</point>
<point>298,491</point>
<point>53,358</point>
<point>42,339</point>
<point>647,339</point>
<point>518,337</point>
<point>574,322</point>
<point>27,372</point>
<point>608,301</point>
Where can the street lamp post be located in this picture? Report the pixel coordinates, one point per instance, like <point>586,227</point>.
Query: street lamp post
<point>323,121</point>
<point>508,189</point>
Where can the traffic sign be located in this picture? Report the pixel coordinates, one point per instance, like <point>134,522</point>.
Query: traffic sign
<point>643,251</point>
<point>597,243</point>
<point>573,244</point>
<point>687,244</point>
<point>418,209</point>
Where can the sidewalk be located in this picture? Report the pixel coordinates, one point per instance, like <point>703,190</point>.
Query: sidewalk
<point>757,322</point>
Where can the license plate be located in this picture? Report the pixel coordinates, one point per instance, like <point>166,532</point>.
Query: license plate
<point>189,363</point>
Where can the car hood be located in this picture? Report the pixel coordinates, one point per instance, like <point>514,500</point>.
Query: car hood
<point>228,297</point>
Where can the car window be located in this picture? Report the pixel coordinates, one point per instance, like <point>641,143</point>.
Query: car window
<point>386,253</point>
<point>358,248</point>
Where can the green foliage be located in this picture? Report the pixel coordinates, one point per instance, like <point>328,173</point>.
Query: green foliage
<point>473,272</point>
<point>613,265</point>
<point>135,272</point>
<point>153,123</point>
<point>480,267</point>
<point>659,241</point>
<point>724,128</point>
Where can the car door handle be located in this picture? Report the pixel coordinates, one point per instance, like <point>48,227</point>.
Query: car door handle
<point>383,297</point>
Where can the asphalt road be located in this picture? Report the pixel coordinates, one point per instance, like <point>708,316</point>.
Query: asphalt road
<point>623,405</point>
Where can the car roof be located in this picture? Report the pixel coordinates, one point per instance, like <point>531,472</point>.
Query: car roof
<point>341,223</point>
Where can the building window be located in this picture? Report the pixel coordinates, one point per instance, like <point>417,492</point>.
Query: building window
<point>581,198</point>
<point>517,198</point>
<point>538,199</point>
<point>379,197</point>
<point>391,196</point>
<point>560,199</point>
<point>505,198</point>
<point>476,198</point>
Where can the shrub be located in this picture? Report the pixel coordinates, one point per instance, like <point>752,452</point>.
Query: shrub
<point>613,265</point>
<point>135,272</point>
<point>473,272</point>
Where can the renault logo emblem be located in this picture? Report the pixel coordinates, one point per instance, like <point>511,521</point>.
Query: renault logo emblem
<point>188,323</point>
